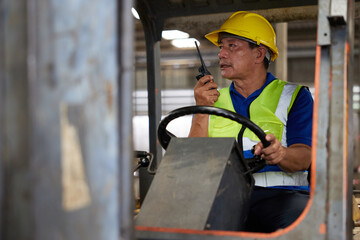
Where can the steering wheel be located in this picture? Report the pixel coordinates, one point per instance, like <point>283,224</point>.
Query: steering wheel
<point>165,136</point>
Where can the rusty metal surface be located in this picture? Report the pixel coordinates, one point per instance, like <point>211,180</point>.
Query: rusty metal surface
<point>339,192</point>
<point>73,89</point>
<point>60,147</point>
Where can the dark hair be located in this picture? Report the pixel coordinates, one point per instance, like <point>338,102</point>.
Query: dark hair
<point>266,61</point>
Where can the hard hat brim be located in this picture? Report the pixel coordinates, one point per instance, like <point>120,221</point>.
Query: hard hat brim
<point>214,38</point>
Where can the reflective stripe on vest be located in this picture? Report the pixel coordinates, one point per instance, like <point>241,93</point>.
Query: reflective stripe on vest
<point>272,117</point>
<point>271,179</point>
<point>282,112</point>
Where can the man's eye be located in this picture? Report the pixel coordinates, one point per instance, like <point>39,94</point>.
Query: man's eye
<point>220,47</point>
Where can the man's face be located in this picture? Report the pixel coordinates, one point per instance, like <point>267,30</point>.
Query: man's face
<point>237,59</point>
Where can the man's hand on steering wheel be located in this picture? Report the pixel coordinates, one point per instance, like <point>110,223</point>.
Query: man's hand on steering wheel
<point>272,154</point>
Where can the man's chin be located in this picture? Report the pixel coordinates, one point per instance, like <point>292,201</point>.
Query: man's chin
<point>226,76</point>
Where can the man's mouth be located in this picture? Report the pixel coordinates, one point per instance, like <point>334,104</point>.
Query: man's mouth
<point>224,65</point>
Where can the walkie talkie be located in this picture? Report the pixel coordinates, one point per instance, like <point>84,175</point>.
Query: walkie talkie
<point>202,69</point>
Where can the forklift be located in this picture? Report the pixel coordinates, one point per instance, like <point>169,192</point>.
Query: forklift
<point>170,212</point>
<point>67,159</point>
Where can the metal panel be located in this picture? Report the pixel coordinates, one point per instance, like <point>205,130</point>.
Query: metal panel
<point>323,31</point>
<point>321,121</point>
<point>337,140</point>
<point>340,154</point>
<point>153,26</point>
<point>339,9</point>
<point>15,126</point>
<point>59,148</point>
<point>200,184</point>
<point>73,95</point>
<point>2,93</point>
<point>125,53</point>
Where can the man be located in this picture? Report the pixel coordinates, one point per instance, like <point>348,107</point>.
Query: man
<point>283,110</point>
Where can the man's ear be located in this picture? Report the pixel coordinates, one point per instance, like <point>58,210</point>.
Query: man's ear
<point>261,53</point>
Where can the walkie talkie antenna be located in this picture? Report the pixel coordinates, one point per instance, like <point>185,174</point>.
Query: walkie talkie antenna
<point>202,69</point>
<point>198,50</point>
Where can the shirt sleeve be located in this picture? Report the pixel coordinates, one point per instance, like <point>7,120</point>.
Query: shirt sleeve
<point>299,124</point>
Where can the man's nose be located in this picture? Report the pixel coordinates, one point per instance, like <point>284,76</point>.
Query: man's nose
<point>223,53</point>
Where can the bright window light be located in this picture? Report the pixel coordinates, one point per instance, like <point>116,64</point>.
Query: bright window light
<point>185,43</point>
<point>174,34</point>
<point>356,89</point>
<point>135,13</point>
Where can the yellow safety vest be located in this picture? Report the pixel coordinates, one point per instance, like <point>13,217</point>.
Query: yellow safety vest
<point>270,112</point>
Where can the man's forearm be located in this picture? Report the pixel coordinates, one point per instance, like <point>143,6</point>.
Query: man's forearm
<point>199,126</point>
<point>297,158</point>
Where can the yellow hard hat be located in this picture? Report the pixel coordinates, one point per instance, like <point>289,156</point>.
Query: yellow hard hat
<point>250,26</point>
